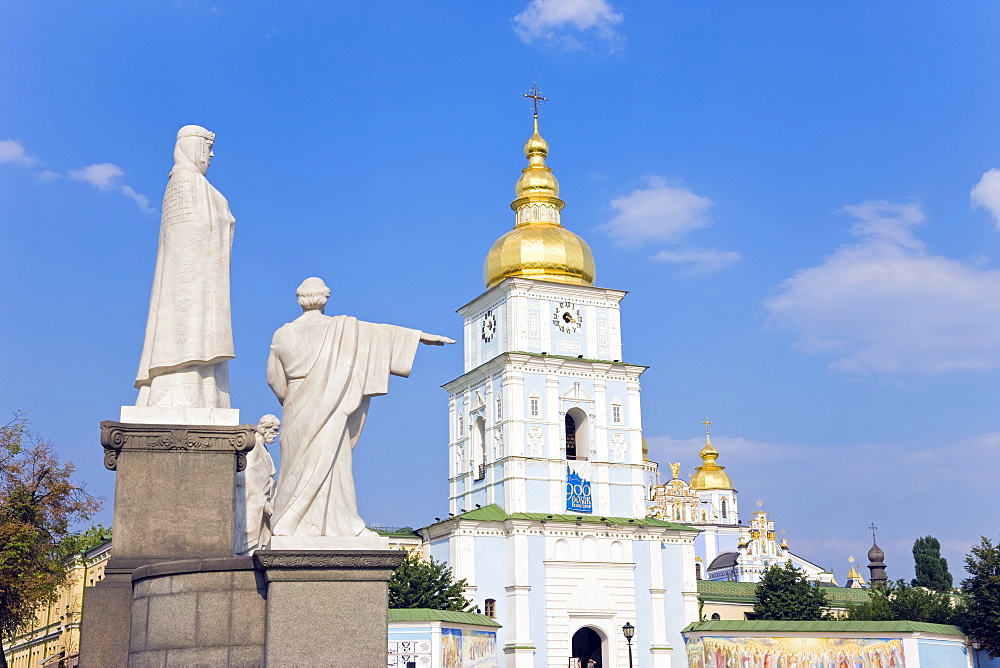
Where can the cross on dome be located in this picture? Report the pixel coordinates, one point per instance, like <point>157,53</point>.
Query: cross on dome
<point>535,96</point>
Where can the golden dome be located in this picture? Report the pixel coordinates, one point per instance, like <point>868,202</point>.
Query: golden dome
<point>710,475</point>
<point>539,246</point>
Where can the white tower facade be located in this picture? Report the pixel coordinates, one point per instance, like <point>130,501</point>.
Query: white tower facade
<point>546,417</point>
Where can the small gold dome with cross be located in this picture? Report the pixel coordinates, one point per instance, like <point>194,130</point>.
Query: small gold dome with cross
<point>710,475</point>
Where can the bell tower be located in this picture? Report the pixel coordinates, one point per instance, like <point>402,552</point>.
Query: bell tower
<point>546,416</point>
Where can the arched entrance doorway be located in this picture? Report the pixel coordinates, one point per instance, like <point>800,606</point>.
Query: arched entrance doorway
<point>587,647</point>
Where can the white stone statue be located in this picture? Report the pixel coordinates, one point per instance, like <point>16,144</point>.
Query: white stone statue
<point>189,335</point>
<point>324,371</point>
<point>255,491</point>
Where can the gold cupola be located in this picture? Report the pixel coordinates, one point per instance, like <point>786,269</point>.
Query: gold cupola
<point>710,475</point>
<point>539,246</point>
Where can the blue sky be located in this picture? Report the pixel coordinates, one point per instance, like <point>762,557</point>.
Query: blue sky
<point>798,196</point>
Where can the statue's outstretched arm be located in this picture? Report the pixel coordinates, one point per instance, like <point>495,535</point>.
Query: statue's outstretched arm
<point>434,339</point>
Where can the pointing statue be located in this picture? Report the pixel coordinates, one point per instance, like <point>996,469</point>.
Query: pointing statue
<point>254,498</point>
<point>324,371</point>
<point>189,336</point>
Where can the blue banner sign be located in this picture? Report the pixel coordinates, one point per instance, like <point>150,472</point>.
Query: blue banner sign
<point>578,497</point>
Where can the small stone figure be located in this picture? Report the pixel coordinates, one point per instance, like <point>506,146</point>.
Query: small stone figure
<point>324,370</point>
<point>255,491</point>
<point>189,336</point>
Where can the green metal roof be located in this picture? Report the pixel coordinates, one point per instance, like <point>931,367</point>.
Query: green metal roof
<point>493,513</point>
<point>761,625</point>
<point>746,592</point>
<point>395,532</point>
<point>428,615</point>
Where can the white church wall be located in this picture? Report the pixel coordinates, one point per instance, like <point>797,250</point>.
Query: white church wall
<point>681,590</point>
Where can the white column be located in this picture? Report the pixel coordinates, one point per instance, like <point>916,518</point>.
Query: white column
<point>658,645</point>
<point>690,592</point>
<point>520,650</point>
<point>711,535</point>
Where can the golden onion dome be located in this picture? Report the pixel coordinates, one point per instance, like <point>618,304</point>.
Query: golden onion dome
<point>539,246</point>
<point>710,475</point>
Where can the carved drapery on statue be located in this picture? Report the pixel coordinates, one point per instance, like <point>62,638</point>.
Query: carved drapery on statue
<point>324,370</point>
<point>189,330</point>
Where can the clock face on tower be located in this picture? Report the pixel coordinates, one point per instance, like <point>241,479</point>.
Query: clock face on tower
<point>567,317</point>
<point>489,326</point>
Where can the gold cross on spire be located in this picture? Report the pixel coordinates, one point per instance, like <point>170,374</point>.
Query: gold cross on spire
<point>707,425</point>
<point>535,96</point>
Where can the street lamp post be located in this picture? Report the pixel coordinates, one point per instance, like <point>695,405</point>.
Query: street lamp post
<point>629,632</point>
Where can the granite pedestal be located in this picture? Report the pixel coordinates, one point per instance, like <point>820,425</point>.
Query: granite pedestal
<point>198,612</point>
<point>174,494</point>
<point>327,608</point>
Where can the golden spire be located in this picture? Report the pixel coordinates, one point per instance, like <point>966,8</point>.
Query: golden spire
<point>539,246</point>
<point>853,573</point>
<point>710,475</point>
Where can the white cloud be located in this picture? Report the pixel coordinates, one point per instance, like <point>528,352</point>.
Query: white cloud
<point>107,177</point>
<point>885,304</point>
<point>103,175</point>
<point>13,152</point>
<point>555,21</point>
<point>139,199</point>
<point>48,175</point>
<point>698,260</point>
<point>986,194</point>
<point>661,212</point>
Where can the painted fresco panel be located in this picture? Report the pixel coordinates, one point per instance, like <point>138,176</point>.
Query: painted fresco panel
<point>736,652</point>
<point>461,648</point>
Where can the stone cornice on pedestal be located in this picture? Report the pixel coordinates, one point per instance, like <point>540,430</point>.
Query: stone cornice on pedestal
<point>313,565</point>
<point>117,437</point>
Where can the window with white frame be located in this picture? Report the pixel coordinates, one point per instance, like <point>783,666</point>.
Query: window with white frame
<point>533,407</point>
<point>499,407</point>
<point>616,413</point>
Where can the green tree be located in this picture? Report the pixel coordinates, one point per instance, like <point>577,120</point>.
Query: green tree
<point>929,566</point>
<point>900,601</point>
<point>85,540</point>
<point>38,503</point>
<point>982,590</point>
<point>785,593</point>
<point>426,584</point>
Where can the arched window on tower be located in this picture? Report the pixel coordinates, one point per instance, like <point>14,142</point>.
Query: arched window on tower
<point>576,434</point>
<point>490,607</point>
<point>499,407</point>
<point>479,449</point>
<point>570,437</point>
<point>725,511</point>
